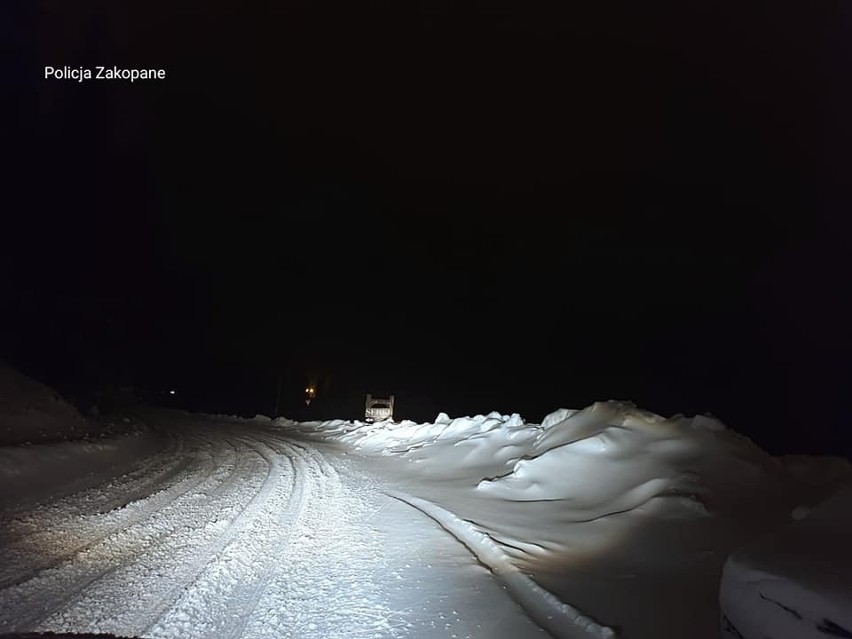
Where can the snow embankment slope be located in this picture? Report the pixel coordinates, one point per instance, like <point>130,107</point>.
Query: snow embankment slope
<point>610,457</point>
<point>31,412</point>
<point>48,449</point>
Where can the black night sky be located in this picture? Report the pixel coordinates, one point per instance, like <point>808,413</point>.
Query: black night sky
<point>505,205</point>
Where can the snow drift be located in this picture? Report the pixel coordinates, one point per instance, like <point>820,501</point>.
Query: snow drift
<point>609,457</point>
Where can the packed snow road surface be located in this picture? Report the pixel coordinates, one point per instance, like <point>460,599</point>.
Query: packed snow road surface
<point>585,526</point>
<point>232,530</point>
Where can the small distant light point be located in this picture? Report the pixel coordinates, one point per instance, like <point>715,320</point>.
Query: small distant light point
<point>171,392</point>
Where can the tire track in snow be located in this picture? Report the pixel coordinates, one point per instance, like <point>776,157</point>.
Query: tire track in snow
<point>97,499</point>
<point>143,624</point>
<point>296,505</point>
<point>25,606</point>
<point>171,538</point>
<point>278,501</point>
<point>164,464</point>
<point>28,559</point>
<point>325,586</point>
<point>543,607</point>
<point>224,597</point>
<point>122,548</point>
<point>147,485</point>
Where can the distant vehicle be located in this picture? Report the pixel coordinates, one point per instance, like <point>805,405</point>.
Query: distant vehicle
<point>310,394</point>
<point>378,409</point>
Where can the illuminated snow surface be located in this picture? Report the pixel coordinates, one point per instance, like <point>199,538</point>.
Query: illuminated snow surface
<point>608,521</point>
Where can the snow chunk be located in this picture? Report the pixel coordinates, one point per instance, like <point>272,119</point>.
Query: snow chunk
<point>707,422</point>
<point>556,417</point>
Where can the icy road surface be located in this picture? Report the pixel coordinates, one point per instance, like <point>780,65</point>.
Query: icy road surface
<point>232,530</point>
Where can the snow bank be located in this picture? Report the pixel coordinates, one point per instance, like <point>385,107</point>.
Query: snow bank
<point>608,457</point>
<point>47,448</point>
<point>544,489</point>
<point>31,412</point>
<point>795,583</point>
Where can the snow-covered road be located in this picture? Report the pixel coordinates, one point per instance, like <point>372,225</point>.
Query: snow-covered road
<point>586,526</point>
<point>233,530</point>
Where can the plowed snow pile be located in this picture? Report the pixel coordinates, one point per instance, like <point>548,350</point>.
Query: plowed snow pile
<point>608,458</point>
<point>612,508</point>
